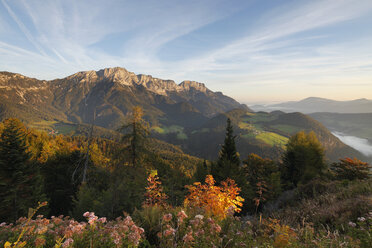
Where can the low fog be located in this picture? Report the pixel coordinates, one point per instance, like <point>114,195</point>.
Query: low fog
<point>359,144</point>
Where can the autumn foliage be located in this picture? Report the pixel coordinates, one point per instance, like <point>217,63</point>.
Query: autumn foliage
<point>351,169</point>
<point>217,201</point>
<point>154,191</point>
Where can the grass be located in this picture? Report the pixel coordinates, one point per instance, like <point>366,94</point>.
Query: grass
<point>272,139</point>
<point>158,129</point>
<point>43,125</point>
<point>287,128</point>
<point>246,126</point>
<point>62,128</point>
<point>65,128</point>
<point>262,117</point>
<point>171,129</point>
<point>248,136</point>
<point>203,130</point>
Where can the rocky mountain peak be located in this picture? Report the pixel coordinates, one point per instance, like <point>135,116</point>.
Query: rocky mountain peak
<point>187,85</point>
<point>124,77</point>
<point>117,75</point>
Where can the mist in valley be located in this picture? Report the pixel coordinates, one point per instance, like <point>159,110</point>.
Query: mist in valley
<point>360,144</point>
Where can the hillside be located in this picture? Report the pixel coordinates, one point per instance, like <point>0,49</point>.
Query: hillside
<point>358,125</point>
<point>262,133</point>
<point>316,104</point>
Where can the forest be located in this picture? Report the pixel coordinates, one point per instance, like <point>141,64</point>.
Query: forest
<point>136,191</point>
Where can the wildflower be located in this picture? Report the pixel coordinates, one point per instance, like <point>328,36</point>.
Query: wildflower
<point>67,242</point>
<point>167,217</point>
<point>362,219</point>
<point>128,221</point>
<point>39,241</point>
<point>216,228</point>
<point>210,221</point>
<point>125,228</point>
<point>188,237</point>
<point>181,216</point>
<point>102,220</point>
<point>170,231</point>
<point>86,214</point>
<point>352,224</point>
<point>41,230</point>
<point>199,233</point>
<point>199,216</point>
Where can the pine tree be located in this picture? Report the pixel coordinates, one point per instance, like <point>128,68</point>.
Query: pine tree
<point>20,180</point>
<point>228,162</point>
<point>136,132</point>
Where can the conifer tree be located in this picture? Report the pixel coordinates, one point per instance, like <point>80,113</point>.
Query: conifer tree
<point>20,181</point>
<point>136,131</point>
<point>228,160</point>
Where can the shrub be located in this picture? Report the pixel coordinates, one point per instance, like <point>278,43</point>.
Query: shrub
<point>351,169</point>
<point>215,200</point>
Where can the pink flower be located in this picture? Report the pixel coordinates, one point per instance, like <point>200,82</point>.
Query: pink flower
<point>181,216</point>
<point>68,242</point>
<point>86,214</point>
<point>188,237</point>
<point>102,220</point>
<point>170,231</point>
<point>128,221</point>
<point>216,228</point>
<point>167,217</point>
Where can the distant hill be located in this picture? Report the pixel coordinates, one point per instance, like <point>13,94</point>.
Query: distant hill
<point>359,125</point>
<point>315,104</point>
<point>188,114</point>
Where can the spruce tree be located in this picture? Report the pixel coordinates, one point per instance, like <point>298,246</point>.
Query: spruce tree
<point>20,181</point>
<point>228,163</point>
<point>136,131</point>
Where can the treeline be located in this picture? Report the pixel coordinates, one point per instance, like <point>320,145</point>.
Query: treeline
<point>79,174</point>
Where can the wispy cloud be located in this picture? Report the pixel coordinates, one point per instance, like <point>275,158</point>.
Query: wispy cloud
<point>293,44</point>
<point>23,28</point>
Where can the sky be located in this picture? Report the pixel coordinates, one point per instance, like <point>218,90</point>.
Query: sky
<point>259,51</point>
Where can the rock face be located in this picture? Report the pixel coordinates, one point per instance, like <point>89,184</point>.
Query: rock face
<point>111,92</point>
<point>124,77</point>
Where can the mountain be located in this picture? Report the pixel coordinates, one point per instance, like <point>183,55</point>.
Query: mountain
<point>316,104</point>
<point>187,114</point>
<point>109,93</point>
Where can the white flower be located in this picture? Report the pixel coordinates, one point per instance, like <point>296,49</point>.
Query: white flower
<point>199,216</point>
<point>361,219</point>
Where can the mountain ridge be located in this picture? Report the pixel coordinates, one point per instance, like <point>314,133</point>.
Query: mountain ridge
<point>317,104</point>
<point>112,92</point>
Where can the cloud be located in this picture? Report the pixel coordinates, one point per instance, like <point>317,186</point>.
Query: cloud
<point>23,28</point>
<point>285,46</point>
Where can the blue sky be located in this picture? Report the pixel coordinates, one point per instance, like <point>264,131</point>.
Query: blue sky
<point>255,51</point>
